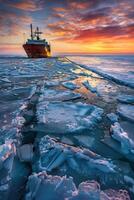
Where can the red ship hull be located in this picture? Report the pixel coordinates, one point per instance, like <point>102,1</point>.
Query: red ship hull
<point>36,50</point>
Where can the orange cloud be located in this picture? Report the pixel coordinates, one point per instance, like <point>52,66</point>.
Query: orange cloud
<point>59,9</point>
<point>94,26</point>
<point>78,5</point>
<point>29,5</point>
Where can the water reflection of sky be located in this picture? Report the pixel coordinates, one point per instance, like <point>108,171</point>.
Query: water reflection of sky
<point>118,64</point>
<point>120,68</point>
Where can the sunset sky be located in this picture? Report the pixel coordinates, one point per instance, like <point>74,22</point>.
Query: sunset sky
<point>72,26</point>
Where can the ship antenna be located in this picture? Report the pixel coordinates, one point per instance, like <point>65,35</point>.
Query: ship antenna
<point>38,37</point>
<point>31,31</point>
<point>37,33</point>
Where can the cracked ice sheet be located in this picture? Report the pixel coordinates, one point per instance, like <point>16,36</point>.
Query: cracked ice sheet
<point>10,119</point>
<point>47,187</point>
<point>107,91</point>
<point>81,164</point>
<point>57,95</point>
<point>54,154</point>
<point>59,117</point>
<point>17,93</point>
<point>12,103</point>
<point>102,88</point>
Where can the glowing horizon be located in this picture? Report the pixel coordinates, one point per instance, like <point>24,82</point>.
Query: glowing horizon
<point>71,26</point>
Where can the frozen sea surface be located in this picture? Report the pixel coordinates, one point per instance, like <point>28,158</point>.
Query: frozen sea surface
<point>119,68</point>
<point>69,121</point>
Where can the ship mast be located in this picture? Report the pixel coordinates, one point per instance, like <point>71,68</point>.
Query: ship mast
<point>37,33</point>
<point>31,31</point>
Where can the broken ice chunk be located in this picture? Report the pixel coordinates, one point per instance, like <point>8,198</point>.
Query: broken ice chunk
<point>58,95</point>
<point>123,98</point>
<point>64,118</point>
<point>70,85</point>
<point>127,145</point>
<point>52,83</point>
<point>87,190</point>
<point>112,117</point>
<point>89,86</point>
<point>54,155</point>
<point>42,186</point>
<point>91,190</point>
<point>87,141</point>
<point>126,111</point>
<point>7,154</point>
<point>130,180</point>
<point>5,80</point>
<point>25,152</point>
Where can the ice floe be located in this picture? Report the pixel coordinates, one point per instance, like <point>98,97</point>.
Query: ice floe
<point>127,145</point>
<point>123,98</point>
<point>126,111</point>
<point>47,187</point>
<point>58,95</point>
<point>54,154</point>
<point>25,152</point>
<point>7,154</point>
<point>5,80</point>
<point>70,85</point>
<point>13,173</point>
<point>113,117</point>
<point>89,86</point>
<point>51,83</point>
<point>130,181</point>
<point>119,139</point>
<point>59,117</point>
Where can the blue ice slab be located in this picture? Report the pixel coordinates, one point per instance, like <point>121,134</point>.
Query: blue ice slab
<point>126,111</point>
<point>112,117</point>
<point>54,154</point>
<point>89,87</point>
<point>59,117</point>
<point>58,95</point>
<point>123,98</point>
<point>42,186</point>
<point>70,85</point>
